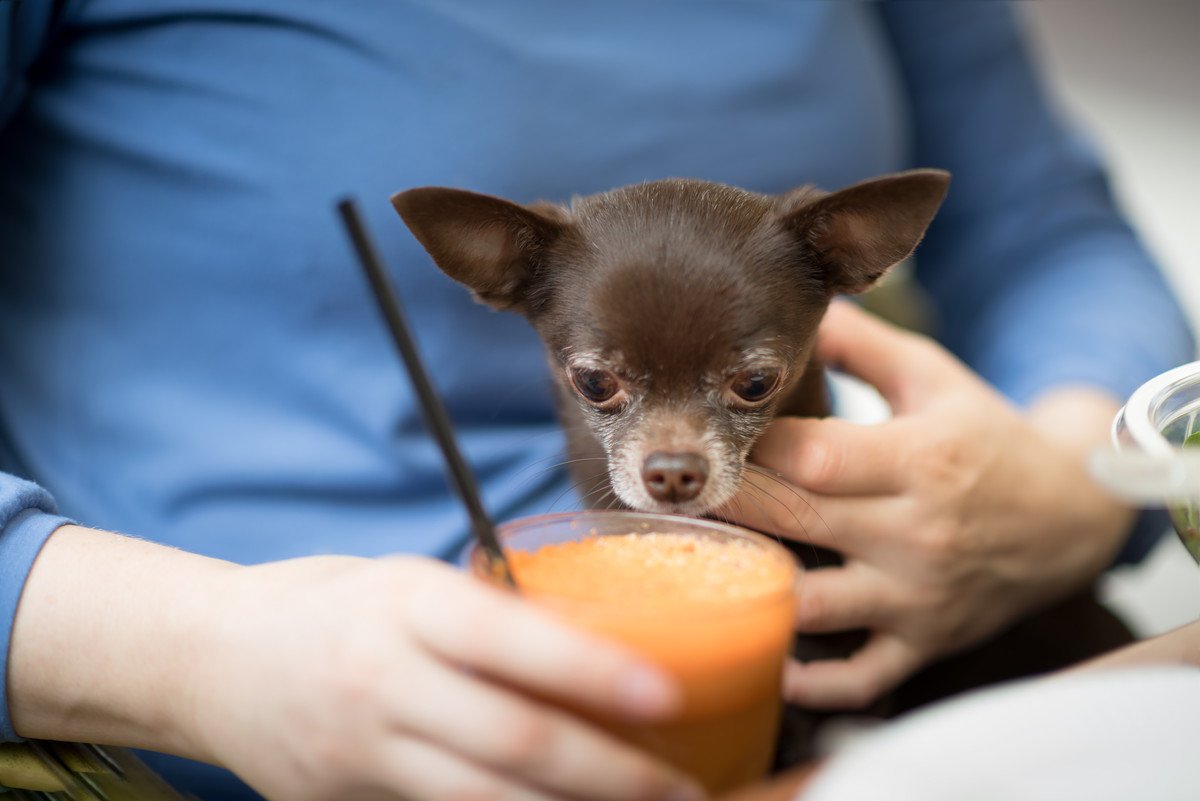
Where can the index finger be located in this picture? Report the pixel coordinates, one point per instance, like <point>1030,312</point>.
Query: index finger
<point>852,683</point>
<point>465,621</point>
<point>834,457</point>
<point>905,367</point>
<point>771,505</point>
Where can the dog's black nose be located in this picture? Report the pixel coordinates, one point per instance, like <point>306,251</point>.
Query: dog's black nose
<point>674,477</point>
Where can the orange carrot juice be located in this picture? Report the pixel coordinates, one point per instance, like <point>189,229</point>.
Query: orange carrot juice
<point>708,603</point>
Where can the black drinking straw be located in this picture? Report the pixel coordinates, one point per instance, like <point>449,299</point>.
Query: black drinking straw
<point>435,412</point>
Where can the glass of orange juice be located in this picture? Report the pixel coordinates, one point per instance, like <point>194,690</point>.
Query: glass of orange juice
<point>709,604</point>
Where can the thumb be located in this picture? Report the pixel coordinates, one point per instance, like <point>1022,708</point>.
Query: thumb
<point>905,367</point>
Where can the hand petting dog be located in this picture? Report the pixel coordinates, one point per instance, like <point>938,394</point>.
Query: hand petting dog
<point>955,517</point>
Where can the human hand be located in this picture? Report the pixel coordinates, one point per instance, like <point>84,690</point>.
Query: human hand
<point>954,517</point>
<point>343,678</point>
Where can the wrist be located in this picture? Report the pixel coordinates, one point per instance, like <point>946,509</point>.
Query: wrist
<point>106,641</point>
<point>1095,517</point>
<point>1076,417</point>
<point>1074,421</point>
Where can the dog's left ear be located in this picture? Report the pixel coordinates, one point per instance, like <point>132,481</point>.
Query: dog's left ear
<point>859,232</point>
<point>492,245</point>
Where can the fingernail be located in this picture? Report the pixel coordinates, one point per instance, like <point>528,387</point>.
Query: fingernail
<point>644,691</point>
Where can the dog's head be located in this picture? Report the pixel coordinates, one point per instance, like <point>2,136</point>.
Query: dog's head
<point>677,313</point>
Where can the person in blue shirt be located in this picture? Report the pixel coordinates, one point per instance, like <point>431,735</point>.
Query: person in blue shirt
<point>189,356</point>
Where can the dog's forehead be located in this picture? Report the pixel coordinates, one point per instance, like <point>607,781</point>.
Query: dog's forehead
<point>683,278</point>
<point>669,210</point>
<point>661,320</point>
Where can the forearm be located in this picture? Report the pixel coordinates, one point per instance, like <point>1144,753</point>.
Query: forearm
<point>106,634</point>
<point>1178,647</point>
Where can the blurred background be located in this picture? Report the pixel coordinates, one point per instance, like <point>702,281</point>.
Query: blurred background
<point>1129,73</point>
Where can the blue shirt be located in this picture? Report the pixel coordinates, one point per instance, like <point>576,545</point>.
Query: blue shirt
<point>189,353</point>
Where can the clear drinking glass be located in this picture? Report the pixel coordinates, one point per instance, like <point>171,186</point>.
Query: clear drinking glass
<point>1160,419</point>
<point>727,655</point>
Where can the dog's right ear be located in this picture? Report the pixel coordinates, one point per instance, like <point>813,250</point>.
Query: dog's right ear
<point>492,245</point>
<point>859,232</point>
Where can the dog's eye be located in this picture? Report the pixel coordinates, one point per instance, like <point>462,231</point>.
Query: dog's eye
<point>753,386</point>
<point>596,386</point>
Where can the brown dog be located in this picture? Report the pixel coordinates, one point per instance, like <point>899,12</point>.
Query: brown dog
<point>679,317</point>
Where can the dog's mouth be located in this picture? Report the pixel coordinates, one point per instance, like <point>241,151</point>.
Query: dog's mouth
<point>688,508</point>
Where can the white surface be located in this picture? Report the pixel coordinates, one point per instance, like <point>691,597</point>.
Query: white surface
<point>1102,736</point>
<point>1161,593</point>
<point>857,401</point>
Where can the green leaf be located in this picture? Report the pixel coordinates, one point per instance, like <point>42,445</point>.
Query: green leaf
<point>1187,518</point>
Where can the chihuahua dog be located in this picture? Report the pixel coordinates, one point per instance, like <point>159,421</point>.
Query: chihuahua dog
<point>679,317</point>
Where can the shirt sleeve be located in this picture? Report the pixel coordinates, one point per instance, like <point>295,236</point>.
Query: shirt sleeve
<point>1037,280</point>
<point>27,519</point>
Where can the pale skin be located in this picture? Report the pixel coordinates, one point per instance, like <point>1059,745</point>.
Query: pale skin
<point>327,677</point>
<point>956,517</point>
<point>1179,646</point>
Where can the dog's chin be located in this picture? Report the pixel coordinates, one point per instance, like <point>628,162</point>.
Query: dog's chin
<point>690,509</point>
<point>699,507</point>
